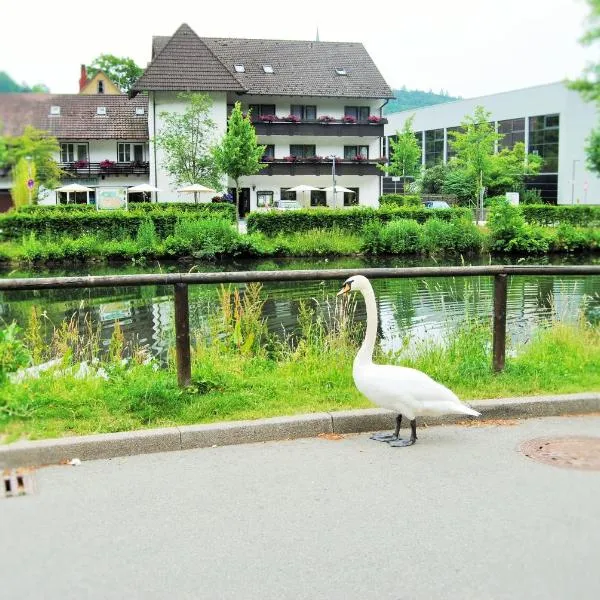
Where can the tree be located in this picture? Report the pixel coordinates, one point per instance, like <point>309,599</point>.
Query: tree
<point>405,154</point>
<point>122,71</point>
<point>186,139</point>
<point>22,172</point>
<point>509,168</point>
<point>239,154</point>
<point>41,148</point>
<point>474,145</point>
<point>589,85</point>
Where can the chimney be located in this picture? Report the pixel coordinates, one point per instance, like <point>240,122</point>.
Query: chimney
<point>83,78</point>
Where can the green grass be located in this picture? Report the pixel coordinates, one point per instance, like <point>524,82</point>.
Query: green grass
<point>247,375</point>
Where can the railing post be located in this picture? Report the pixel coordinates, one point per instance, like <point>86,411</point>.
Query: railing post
<point>499,339</point>
<point>182,335</point>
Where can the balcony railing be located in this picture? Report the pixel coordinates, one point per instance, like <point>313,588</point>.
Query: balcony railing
<point>94,169</point>
<point>335,127</point>
<point>320,166</point>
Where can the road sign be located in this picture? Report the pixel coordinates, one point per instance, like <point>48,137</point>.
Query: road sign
<point>30,183</point>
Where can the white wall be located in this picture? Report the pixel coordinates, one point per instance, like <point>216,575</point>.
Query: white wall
<point>577,119</point>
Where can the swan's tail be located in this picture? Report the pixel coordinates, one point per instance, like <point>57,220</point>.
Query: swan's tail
<point>467,410</point>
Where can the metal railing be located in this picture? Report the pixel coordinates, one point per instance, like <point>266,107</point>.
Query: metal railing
<point>181,281</point>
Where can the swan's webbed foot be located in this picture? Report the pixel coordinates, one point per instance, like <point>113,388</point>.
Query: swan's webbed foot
<point>389,437</point>
<point>384,437</point>
<point>400,443</point>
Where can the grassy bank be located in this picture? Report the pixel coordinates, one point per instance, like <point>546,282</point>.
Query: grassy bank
<point>245,373</point>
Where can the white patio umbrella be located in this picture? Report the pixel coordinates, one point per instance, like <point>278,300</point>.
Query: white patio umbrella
<point>196,189</point>
<point>75,187</point>
<point>302,189</point>
<point>143,188</point>
<point>335,190</point>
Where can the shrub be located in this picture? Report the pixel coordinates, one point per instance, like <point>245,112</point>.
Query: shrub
<point>203,238</point>
<point>13,351</point>
<point>403,237</point>
<point>350,219</point>
<point>510,233</point>
<point>146,236</point>
<point>399,200</point>
<point>547,214</point>
<point>570,239</point>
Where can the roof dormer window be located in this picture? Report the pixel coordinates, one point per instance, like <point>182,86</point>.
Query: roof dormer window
<point>101,87</point>
<point>239,68</point>
<point>139,110</point>
<point>55,110</point>
<point>341,71</point>
<point>268,68</point>
<point>101,110</point>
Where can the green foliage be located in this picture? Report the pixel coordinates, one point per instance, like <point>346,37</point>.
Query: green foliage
<point>530,196</point>
<point>592,150</point>
<point>350,219</point>
<point>457,182</point>
<point>510,233</point>
<point>21,173</point>
<point>186,139</point>
<point>122,71</point>
<point>405,153</point>
<point>74,222</point>
<point>41,148</point>
<point>146,237</point>
<point>13,351</point>
<point>432,179</point>
<point>399,200</point>
<point>239,154</point>
<point>569,239</point>
<point>203,238</point>
<point>406,99</point>
<point>509,167</point>
<point>547,214</point>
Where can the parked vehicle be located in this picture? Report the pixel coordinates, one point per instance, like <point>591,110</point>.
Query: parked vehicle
<point>436,204</point>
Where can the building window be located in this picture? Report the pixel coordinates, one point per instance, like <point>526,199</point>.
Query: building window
<point>450,151</point>
<point>513,131</point>
<point>351,199</point>
<point>264,199</point>
<point>341,71</point>
<point>303,150</point>
<point>360,113</point>
<point>72,152</point>
<point>434,147</point>
<point>268,68</point>
<point>239,68</point>
<point>304,112</point>
<point>101,87</point>
<point>128,152</point>
<point>351,152</point>
<point>285,194</point>
<point>318,198</point>
<point>269,153</point>
<point>543,140</point>
<point>261,110</point>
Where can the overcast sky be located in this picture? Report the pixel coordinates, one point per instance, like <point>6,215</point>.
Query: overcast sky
<point>467,47</point>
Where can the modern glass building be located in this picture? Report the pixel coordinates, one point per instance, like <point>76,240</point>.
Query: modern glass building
<point>551,120</point>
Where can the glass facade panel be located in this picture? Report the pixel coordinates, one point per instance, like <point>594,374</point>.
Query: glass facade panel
<point>434,147</point>
<point>544,132</point>
<point>450,152</point>
<point>513,131</point>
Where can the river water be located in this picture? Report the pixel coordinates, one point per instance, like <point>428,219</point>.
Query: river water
<point>410,310</point>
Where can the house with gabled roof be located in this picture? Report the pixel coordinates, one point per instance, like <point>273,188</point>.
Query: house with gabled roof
<point>316,106</point>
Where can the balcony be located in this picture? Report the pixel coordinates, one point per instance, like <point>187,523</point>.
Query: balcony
<point>312,166</point>
<point>85,169</point>
<point>334,127</point>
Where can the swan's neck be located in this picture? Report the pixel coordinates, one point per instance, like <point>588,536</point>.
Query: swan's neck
<point>365,354</point>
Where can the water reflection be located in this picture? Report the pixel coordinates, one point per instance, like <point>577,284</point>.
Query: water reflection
<point>411,310</point>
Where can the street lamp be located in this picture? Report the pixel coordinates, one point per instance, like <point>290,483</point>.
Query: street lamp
<point>29,186</point>
<point>332,156</point>
<point>575,160</point>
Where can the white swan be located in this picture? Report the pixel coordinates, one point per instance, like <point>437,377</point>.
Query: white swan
<point>405,391</point>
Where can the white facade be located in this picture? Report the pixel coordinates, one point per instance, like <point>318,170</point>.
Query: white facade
<point>575,183</point>
<point>325,146</point>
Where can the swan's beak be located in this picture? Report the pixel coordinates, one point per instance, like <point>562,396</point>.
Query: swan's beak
<point>345,289</point>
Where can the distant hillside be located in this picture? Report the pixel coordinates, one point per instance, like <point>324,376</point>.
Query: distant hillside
<point>407,99</point>
<point>8,84</point>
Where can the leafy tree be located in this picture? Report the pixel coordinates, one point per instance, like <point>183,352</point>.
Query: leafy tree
<point>405,153</point>
<point>41,148</point>
<point>20,192</point>
<point>432,179</point>
<point>509,168</point>
<point>588,85</point>
<point>474,145</point>
<point>239,154</point>
<point>3,151</point>
<point>122,71</point>
<point>186,140</point>
<point>457,182</point>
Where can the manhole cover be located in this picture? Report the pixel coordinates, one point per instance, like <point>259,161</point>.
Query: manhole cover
<point>572,452</point>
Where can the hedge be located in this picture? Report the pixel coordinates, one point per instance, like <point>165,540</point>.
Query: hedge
<point>400,200</point>
<point>351,219</point>
<point>547,214</point>
<point>107,224</point>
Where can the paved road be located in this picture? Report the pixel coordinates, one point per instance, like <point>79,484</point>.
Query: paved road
<point>461,515</point>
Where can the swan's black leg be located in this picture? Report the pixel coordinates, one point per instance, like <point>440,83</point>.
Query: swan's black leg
<point>413,437</point>
<point>386,437</point>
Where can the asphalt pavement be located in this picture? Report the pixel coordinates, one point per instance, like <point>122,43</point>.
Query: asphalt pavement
<point>461,515</point>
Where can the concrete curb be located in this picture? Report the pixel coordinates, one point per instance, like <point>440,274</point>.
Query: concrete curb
<point>111,445</point>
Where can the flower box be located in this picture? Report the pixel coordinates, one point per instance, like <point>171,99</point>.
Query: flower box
<point>349,119</point>
<point>314,159</point>
<point>326,119</point>
<point>374,119</point>
<point>290,158</point>
<point>293,118</point>
<point>106,164</point>
<point>359,158</point>
<point>81,164</point>
<point>268,118</point>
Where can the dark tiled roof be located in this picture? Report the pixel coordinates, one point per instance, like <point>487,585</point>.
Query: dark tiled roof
<point>186,63</point>
<point>78,118</point>
<point>301,68</point>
